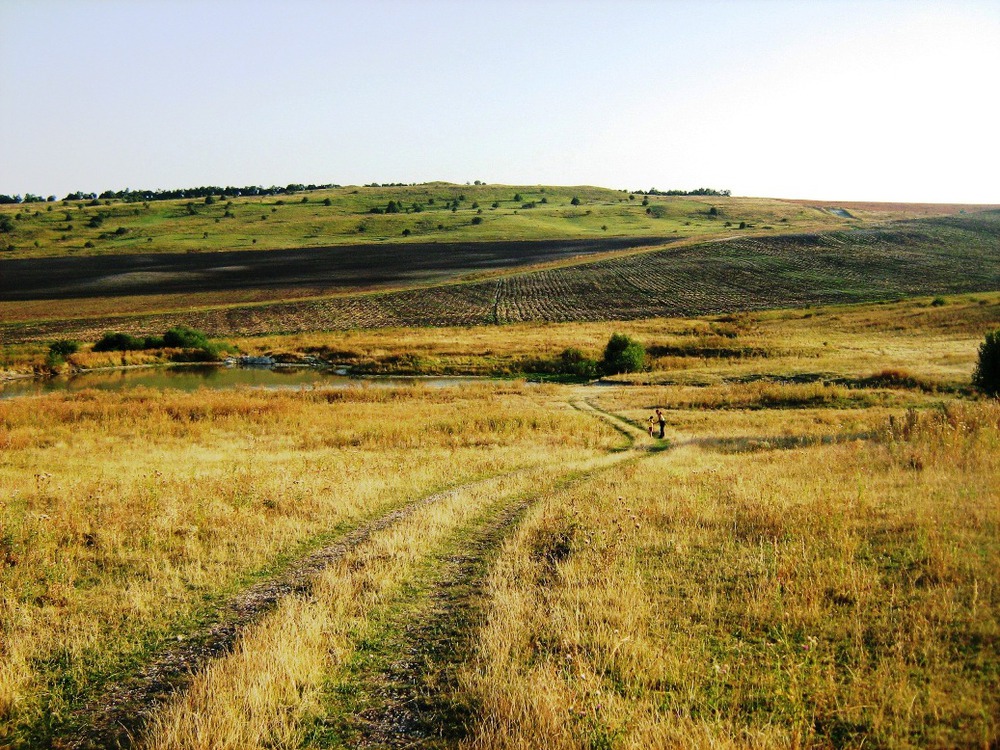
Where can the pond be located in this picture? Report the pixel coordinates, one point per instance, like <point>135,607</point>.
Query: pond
<point>191,378</point>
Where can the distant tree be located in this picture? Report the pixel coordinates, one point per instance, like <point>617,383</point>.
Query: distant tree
<point>575,201</point>
<point>987,373</point>
<point>477,219</point>
<point>518,198</point>
<point>392,208</point>
<point>622,354</point>
<point>327,202</point>
<point>305,199</point>
<point>6,224</point>
<point>406,232</point>
<point>209,200</point>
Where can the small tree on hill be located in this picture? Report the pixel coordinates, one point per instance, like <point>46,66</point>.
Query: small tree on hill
<point>623,354</point>
<point>987,374</point>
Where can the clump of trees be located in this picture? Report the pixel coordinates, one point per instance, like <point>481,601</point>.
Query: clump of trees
<point>134,196</point>
<point>696,191</point>
<point>987,373</point>
<point>195,345</point>
<point>622,354</point>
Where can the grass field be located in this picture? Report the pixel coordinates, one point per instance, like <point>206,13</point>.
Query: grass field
<point>809,559</point>
<point>305,219</point>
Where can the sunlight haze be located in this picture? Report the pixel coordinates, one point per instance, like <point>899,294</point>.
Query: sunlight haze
<point>881,101</point>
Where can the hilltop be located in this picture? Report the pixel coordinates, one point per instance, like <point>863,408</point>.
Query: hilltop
<point>433,212</point>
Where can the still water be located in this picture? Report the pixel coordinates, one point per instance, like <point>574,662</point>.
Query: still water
<point>193,378</point>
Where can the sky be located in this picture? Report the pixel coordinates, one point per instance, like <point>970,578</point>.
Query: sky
<point>884,100</point>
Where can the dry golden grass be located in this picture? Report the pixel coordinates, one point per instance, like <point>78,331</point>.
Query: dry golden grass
<point>265,694</point>
<point>839,595</point>
<point>123,515</point>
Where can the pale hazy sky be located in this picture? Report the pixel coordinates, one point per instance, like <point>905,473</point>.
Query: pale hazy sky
<point>893,100</point>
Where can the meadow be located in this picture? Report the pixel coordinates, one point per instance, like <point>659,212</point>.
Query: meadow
<point>809,558</point>
<point>433,212</point>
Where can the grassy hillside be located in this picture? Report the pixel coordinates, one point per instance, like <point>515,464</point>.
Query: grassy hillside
<point>437,212</point>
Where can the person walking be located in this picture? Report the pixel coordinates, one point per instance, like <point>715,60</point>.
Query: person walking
<point>663,422</point>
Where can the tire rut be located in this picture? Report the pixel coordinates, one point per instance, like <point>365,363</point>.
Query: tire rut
<point>119,715</point>
<point>417,700</point>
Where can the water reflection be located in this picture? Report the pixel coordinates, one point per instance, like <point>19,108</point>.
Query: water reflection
<point>195,377</point>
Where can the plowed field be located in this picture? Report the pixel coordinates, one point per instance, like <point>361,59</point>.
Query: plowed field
<point>935,256</point>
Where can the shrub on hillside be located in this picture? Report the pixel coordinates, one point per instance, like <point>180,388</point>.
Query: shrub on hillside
<point>183,337</point>
<point>987,374</point>
<point>622,354</point>
<point>574,362</point>
<point>63,348</point>
<point>119,342</point>
<point>571,362</point>
<point>59,350</point>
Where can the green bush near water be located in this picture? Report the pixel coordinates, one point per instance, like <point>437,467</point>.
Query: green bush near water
<point>195,345</point>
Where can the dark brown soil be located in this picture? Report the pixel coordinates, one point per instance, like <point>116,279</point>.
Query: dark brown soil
<point>333,268</point>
